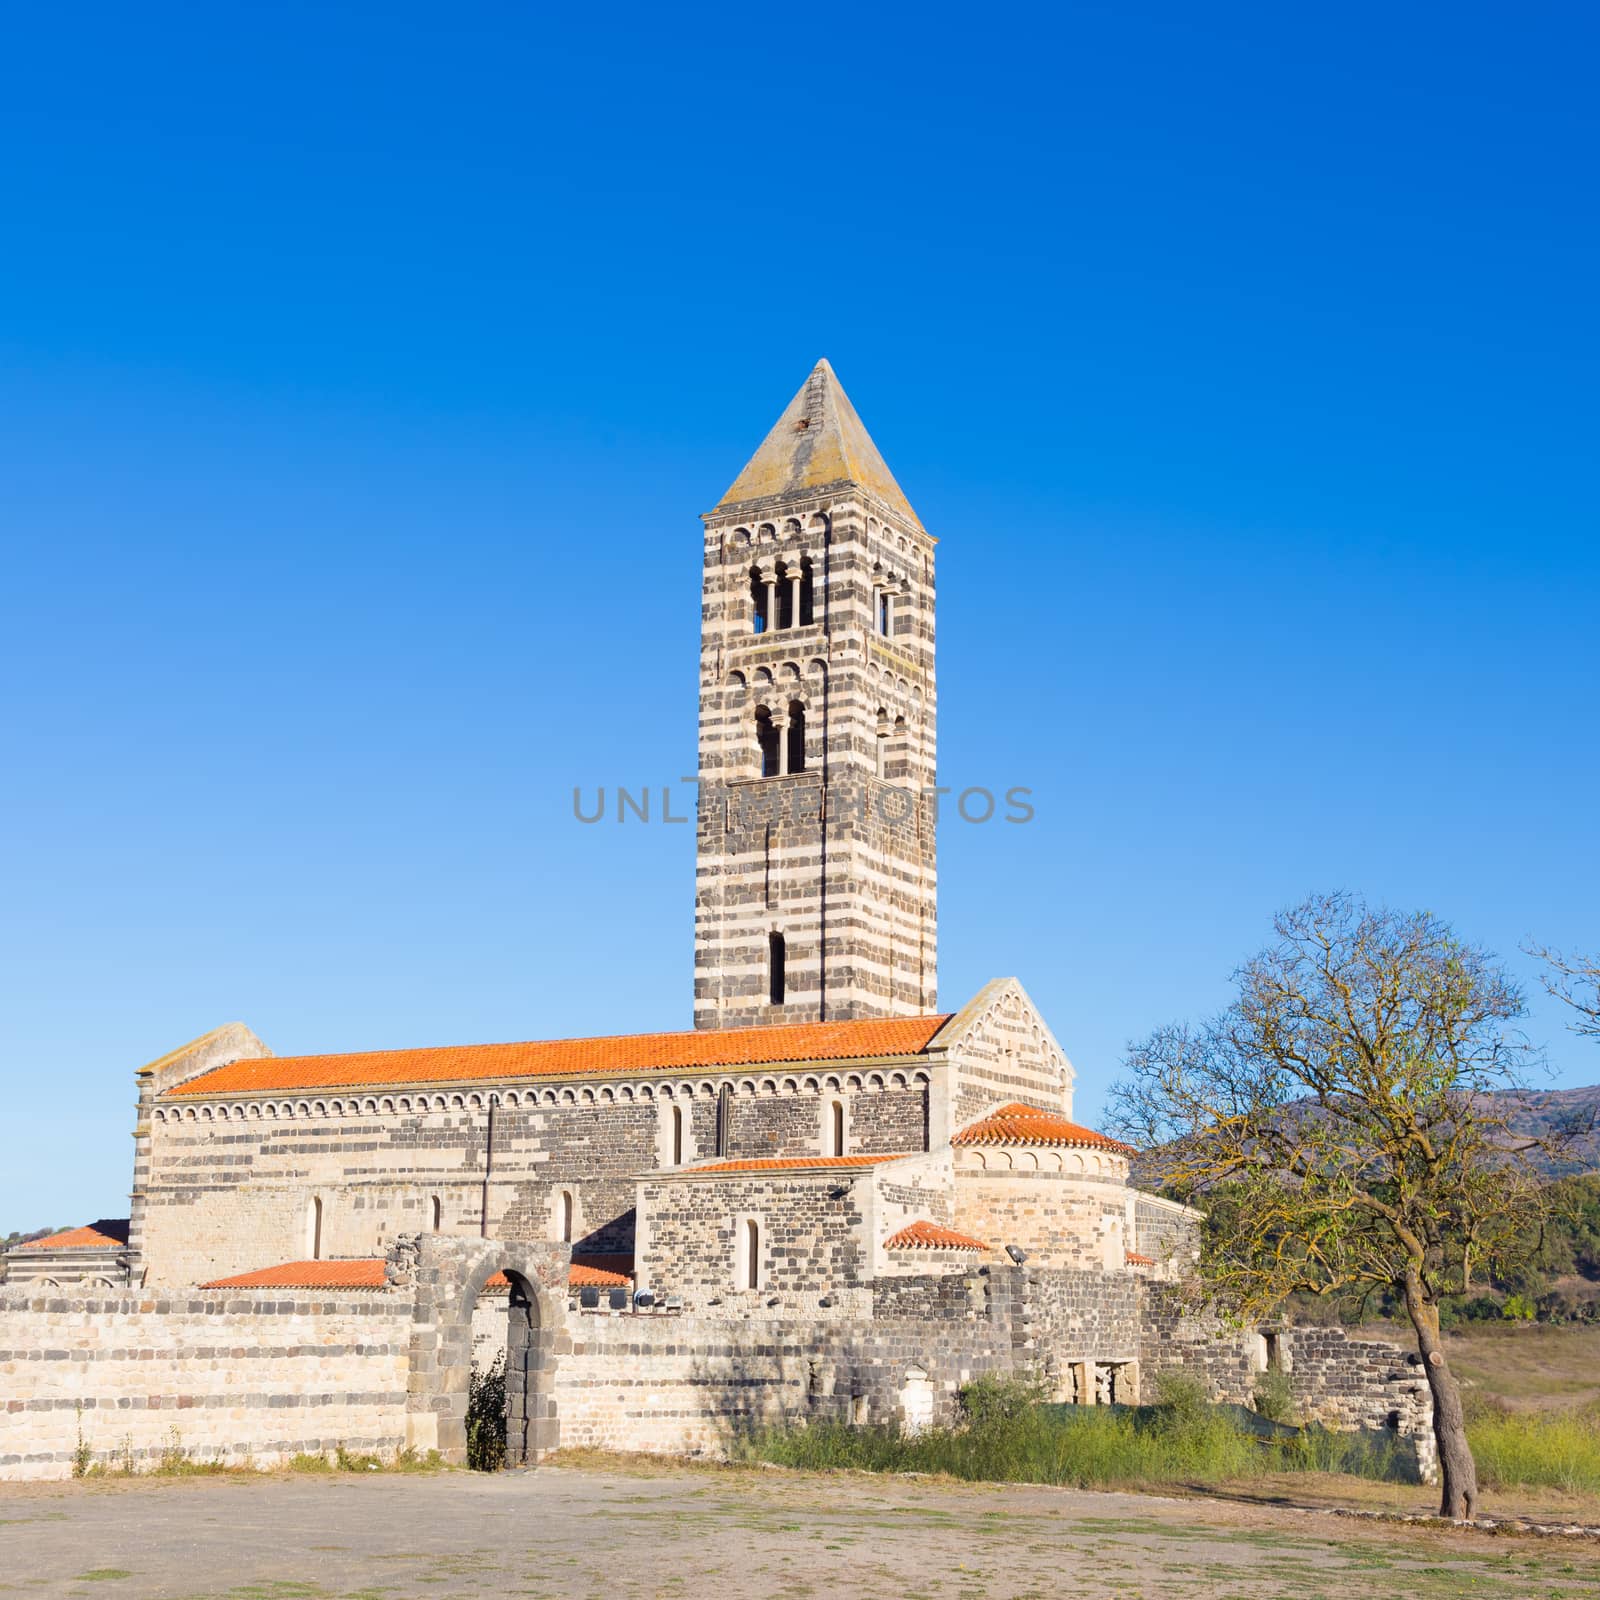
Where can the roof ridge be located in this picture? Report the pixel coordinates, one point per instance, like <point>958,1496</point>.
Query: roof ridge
<point>763,1028</point>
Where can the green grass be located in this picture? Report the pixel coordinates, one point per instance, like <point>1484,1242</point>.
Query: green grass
<point>1009,1437</point>
<point>1537,1449</point>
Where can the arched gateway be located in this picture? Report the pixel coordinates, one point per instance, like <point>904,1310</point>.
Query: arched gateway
<point>449,1273</point>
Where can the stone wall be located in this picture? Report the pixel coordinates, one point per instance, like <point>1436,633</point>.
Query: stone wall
<point>1167,1232</point>
<point>1001,1051</point>
<point>1061,1212</point>
<point>810,1238</point>
<point>692,1381</point>
<point>1334,1379</point>
<point>229,1377</point>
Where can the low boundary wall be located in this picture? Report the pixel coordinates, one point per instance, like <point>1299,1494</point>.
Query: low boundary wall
<point>222,1378</point>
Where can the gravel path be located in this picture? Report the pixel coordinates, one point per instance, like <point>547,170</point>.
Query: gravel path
<point>625,1534</point>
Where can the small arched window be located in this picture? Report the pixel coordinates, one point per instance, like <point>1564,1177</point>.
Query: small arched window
<point>836,1128</point>
<point>677,1136</point>
<point>777,957</point>
<point>797,736</point>
<point>766,743</point>
<point>314,1229</point>
<point>808,603</point>
<point>564,1216</point>
<point>436,1214</point>
<point>749,1263</point>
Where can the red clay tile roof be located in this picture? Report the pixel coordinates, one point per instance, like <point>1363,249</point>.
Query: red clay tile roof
<point>584,1276</point>
<point>615,1055</point>
<point>308,1275</point>
<point>1134,1259</point>
<point>1022,1124</point>
<point>367,1273</point>
<point>586,1272</point>
<point>930,1236</point>
<point>108,1233</point>
<point>783,1164</point>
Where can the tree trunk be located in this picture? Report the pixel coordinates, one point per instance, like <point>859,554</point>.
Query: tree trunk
<point>1458,1472</point>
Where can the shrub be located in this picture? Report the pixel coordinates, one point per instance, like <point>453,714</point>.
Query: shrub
<point>1274,1396</point>
<point>486,1416</point>
<point>987,1402</point>
<point>82,1451</point>
<point>1518,1308</point>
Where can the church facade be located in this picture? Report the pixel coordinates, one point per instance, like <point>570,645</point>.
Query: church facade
<point>829,1197</point>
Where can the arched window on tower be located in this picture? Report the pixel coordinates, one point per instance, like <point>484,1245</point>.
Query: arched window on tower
<point>797,736</point>
<point>314,1229</point>
<point>564,1216</point>
<point>677,1136</point>
<point>808,599</point>
<point>785,596</point>
<point>766,743</point>
<point>436,1214</point>
<point>776,956</point>
<point>836,1128</point>
<point>759,592</point>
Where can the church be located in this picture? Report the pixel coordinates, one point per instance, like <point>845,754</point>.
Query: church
<point>828,1198</point>
<point>703,1162</point>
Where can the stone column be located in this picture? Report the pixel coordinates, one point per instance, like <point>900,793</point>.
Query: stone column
<point>794,594</point>
<point>772,603</point>
<point>781,724</point>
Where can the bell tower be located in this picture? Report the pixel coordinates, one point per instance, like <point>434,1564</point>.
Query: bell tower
<point>815,871</point>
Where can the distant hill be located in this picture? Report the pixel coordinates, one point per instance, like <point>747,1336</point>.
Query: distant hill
<point>1535,1113</point>
<point>1541,1112</point>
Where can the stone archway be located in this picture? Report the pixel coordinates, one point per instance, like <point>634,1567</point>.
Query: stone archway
<point>449,1273</point>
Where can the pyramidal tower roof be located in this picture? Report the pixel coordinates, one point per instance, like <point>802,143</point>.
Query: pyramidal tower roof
<point>818,443</point>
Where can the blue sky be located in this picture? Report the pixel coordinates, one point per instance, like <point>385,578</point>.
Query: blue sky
<point>363,370</point>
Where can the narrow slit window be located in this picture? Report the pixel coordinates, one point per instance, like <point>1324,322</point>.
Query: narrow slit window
<point>677,1136</point>
<point>752,1253</point>
<point>776,977</point>
<point>836,1128</point>
<point>566,1216</point>
<point>314,1230</point>
<point>797,736</point>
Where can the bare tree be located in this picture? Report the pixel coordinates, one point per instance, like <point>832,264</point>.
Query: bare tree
<point>1341,1114</point>
<point>1575,981</point>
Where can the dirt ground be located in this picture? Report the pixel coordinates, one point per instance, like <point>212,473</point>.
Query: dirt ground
<point>684,1532</point>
